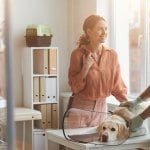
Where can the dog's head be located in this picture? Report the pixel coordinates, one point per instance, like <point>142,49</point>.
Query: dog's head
<point>112,129</point>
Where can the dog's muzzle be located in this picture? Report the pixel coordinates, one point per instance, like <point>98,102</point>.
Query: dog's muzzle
<point>104,138</point>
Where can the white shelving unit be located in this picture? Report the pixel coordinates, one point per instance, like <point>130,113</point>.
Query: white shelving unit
<point>41,92</point>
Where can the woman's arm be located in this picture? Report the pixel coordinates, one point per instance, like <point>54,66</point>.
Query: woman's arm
<point>78,70</point>
<point>137,121</point>
<point>142,97</point>
<point>119,88</point>
<point>146,113</point>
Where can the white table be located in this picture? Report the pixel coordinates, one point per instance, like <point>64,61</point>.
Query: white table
<point>20,114</point>
<point>3,145</point>
<point>26,114</point>
<point>58,137</point>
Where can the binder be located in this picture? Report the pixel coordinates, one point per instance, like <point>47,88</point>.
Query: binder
<point>54,116</point>
<point>48,89</point>
<point>42,89</point>
<point>49,116</point>
<point>52,60</point>
<point>36,95</point>
<point>51,89</point>
<point>41,123</point>
<point>40,61</point>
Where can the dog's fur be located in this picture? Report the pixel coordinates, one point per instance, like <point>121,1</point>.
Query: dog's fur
<point>115,127</point>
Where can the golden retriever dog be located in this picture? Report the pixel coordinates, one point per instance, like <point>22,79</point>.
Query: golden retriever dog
<point>115,127</point>
<point>112,129</point>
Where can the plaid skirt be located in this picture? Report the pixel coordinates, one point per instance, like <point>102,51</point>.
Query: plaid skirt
<point>86,113</point>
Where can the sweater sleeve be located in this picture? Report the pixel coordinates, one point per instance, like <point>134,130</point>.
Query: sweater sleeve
<point>119,87</point>
<point>75,76</point>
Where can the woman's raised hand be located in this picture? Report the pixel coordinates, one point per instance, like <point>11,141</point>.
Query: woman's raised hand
<point>88,60</point>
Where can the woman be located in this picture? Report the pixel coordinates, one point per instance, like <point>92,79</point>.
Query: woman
<point>94,74</point>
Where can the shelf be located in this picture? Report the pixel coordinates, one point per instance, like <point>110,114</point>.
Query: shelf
<point>38,130</point>
<point>45,75</point>
<point>41,90</point>
<point>38,103</point>
<point>24,114</point>
<point>37,48</point>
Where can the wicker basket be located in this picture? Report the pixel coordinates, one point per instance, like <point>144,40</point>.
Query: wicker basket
<point>38,41</point>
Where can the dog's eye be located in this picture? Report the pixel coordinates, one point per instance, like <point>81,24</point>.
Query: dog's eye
<point>104,128</point>
<point>113,129</point>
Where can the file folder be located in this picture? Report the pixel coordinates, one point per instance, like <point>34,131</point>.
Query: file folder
<point>54,116</point>
<point>36,95</point>
<point>41,123</point>
<point>52,60</point>
<point>40,61</point>
<point>48,89</point>
<point>49,116</point>
<point>42,89</point>
<point>51,87</point>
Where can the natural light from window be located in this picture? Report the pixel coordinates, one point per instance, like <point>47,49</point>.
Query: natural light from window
<point>129,35</point>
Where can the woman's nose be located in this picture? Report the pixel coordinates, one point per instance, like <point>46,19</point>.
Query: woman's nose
<point>104,32</point>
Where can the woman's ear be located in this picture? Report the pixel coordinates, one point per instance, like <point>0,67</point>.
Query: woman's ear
<point>88,32</point>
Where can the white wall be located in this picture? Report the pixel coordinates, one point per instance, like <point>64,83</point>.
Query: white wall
<point>51,12</point>
<point>79,10</point>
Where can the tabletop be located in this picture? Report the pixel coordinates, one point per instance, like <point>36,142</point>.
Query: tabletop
<point>58,137</point>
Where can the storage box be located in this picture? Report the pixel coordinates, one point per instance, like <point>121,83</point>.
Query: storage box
<point>38,41</point>
<point>39,140</point>
<point>38,35</point>
<point>38,30</point>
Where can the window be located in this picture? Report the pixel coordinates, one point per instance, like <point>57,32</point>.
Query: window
<point>139,26</point>
<point>129,34</point>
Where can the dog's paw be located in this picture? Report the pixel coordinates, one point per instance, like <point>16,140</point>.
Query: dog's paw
<point>124,112</point>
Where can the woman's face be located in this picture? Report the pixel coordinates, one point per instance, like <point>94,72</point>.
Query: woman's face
<point>99,33</point>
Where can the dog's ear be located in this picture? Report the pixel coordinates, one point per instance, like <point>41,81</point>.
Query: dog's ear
<point>99,128</point>
<point>123,132</point>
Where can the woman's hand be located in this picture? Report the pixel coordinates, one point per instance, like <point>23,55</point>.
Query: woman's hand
<point>131,104</point>
<point>135,123</point>
<point>88,60</point>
